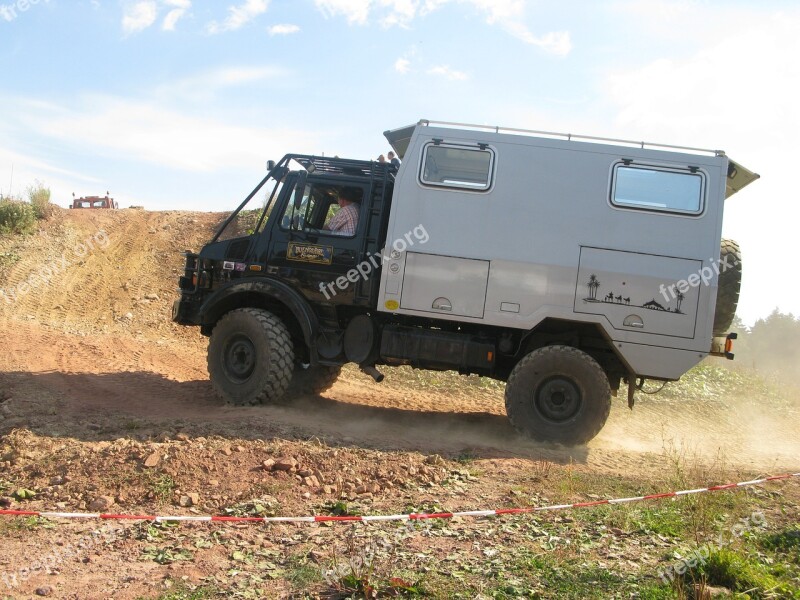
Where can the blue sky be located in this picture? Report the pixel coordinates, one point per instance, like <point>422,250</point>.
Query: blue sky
<point>177,104</point>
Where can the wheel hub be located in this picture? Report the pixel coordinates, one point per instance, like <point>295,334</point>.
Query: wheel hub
<point>558,399</point>
<point>239,358</point>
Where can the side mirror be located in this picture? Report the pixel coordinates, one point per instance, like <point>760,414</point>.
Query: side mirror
<point>270,165</point>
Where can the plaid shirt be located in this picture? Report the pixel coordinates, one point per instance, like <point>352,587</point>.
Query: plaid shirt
<point>345,221</point>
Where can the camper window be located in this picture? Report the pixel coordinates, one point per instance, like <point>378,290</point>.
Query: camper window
<point>658,189</point>
<point>457,167</point>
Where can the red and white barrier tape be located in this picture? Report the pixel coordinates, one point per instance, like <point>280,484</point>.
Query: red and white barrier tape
<point>407,517</point>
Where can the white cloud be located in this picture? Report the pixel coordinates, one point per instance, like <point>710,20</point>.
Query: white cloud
<point>172,19</point>
<point>401,12</point>
<point>508,14</point>
<point>239,16</point>
<point>402,65</point>
<point>131,130</point>
<point>448,73</point>
<point>202,87</point>
<point>738,92</point>
<point>178,10</point>
<point>139,16</point>
<point>283,29</point>
<point>355,11</point>
<point>554,42</point>
<point>33,167</point>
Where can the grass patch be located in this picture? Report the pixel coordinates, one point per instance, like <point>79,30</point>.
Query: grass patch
<point>742,572</point>
<point>160,486</point>
<point>31,523</point>
<point>668,520</point>
<point>184,592</point>
<point>301,573</point>
<point>8,258</point>
<point>561,578</point>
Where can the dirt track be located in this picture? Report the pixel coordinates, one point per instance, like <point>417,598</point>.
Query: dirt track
<point>95,380</point>
<point>94,346</point>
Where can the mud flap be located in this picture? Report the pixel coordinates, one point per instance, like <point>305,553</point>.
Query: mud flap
<point>631,388</point>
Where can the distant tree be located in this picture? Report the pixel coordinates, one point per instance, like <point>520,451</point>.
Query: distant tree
<point>771,345</point>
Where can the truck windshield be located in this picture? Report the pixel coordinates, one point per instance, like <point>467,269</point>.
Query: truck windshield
<point>251,218</point>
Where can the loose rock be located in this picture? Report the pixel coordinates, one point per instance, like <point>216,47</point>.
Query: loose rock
<point>285,463</point>
<point>101,503</point>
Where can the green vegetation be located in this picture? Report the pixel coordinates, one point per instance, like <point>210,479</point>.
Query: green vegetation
<point>161,486</point>
<point>16,217</point>
<point>744,571</point>
<point>185,592</point>
<point>39,197</point>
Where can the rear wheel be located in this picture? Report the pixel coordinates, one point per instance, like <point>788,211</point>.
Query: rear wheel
<point>730,282</point>
<point>308,380</point>
<point>250,357</point>
<point>558,394</point>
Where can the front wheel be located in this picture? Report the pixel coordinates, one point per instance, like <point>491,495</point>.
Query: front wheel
<point>250,357</point>
<point>558,394</point>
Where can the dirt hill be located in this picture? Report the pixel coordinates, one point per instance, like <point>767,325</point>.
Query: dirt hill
<point>95,380</point>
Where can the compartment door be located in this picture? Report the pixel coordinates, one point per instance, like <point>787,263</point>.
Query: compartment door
<point>445,285</point>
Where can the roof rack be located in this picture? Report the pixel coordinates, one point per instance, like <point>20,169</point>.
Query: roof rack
<point>569,136</point>
<point>341,166</point>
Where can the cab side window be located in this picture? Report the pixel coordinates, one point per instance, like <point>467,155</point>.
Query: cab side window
<point>326,210</point>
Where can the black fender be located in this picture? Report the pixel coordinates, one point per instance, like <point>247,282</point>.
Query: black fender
<point>262,292</point>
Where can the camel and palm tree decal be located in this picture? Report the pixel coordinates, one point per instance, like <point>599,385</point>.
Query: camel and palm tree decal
<point>612,298</point>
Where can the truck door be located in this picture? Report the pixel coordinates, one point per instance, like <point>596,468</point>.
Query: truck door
<point>315,250</point>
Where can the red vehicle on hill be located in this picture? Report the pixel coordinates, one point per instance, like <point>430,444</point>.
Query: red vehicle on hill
<point>94,202</point>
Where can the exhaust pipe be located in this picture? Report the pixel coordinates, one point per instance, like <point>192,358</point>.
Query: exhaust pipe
<point>372,372</point>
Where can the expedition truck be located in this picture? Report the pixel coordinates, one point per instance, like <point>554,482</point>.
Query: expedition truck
<point>563,265</point>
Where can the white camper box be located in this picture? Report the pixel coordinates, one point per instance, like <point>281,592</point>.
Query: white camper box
<point>528,227</point>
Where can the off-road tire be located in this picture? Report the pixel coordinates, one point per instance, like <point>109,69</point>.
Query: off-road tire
<point>558,394</point>
<point>730,282</point>
<point>308,380</point>
<point>250,357</point>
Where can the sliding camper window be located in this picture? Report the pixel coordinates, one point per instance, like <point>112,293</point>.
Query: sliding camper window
<point>659,189</point>
<point>461,167</point>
